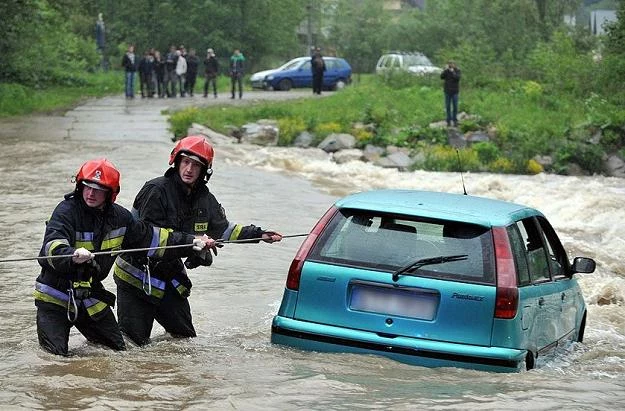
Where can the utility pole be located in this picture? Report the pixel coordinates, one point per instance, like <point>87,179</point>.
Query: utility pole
<point>309,8</point>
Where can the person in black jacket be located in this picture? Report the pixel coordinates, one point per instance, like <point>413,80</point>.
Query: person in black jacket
<point>179,200</point>
<point>130,67</point>
<point>159,71</point>
<point>76,256</point>
<point>146,69</point>
<point>193,63</point>
<point>318,67</point>
<point>211,71</point>
<point>451,87</point>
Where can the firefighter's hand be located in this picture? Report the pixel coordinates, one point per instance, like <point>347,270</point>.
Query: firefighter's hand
<point>271,237</point>
<point>203,242</point>
<point>81,255</point>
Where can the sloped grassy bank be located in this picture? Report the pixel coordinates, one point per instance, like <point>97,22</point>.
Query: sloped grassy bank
<point>523,124</point>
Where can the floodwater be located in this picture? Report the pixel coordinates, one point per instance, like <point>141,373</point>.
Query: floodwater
<point>232,364</point>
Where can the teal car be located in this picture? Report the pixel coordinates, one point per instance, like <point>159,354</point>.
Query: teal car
<point>433,279</point>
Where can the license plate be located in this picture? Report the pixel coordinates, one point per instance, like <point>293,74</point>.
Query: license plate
<point>404,302</point>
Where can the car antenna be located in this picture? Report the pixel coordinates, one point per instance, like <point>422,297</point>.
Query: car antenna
<point>461,176</point>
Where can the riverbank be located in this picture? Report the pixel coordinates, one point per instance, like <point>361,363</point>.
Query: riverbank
<point>511,129</point>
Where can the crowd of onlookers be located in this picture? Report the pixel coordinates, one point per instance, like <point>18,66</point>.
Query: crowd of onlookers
<point>176,72</point>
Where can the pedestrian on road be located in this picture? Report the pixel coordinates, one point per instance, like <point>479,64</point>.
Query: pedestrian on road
<point>179,200</point>
<point>159,73</point>
<point>146,69</point>
<point>318,67</point>
<point>130,67</point>
<point>451,87</point>
<point>192,65</point>
<point>211,71</point>
<point>69,291</point>
<point>181,72</point>
<point>236,71</point>
<point>170,71</point>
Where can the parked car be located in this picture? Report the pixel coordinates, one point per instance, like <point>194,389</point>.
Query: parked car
<point>415,63</point>
<point>296,73</point>
<point>433,279</point>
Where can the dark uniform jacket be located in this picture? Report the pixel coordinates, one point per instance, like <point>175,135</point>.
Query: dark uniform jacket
<point>73,225</point>
<point>164,201</point>
<point>451,85</point>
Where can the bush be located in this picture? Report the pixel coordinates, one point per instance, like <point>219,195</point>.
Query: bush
<point>486,151</point>
<point>182,120</point>
<point>290,128</point>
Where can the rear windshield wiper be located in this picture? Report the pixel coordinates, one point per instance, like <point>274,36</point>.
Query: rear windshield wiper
<point>427,261</point>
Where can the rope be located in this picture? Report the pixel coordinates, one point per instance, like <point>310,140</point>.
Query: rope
<point>136,250</point>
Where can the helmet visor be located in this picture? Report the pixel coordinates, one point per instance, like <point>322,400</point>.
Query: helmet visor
<point>96,186</point>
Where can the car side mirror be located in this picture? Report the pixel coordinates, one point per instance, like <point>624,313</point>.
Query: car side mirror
<point>583,265</point>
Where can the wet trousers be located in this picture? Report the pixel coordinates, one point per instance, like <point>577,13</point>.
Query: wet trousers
<point>53,329</point>
<point>136,315</point>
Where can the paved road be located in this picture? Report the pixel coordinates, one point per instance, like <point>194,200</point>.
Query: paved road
<point>116,118</point>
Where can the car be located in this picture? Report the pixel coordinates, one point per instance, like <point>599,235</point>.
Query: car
<point>433,279</point>
<point>415,63</point>
<point>297,73</point>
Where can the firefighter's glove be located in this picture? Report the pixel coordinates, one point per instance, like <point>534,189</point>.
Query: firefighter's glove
<point>81,255</point>
<point>271,237</point>
<point>203,243</point>
<point>203,258</point>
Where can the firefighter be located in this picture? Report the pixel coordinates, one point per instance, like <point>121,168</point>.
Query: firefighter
<point>179,200</point>
<point>69,290</point>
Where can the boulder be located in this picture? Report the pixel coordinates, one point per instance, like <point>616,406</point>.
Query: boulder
<point>213,136</point>
<point>345,156</point>
<point>337,141</point>
<point>263,132</point>
<point>398,160</point>
<point>372,153</point>
<point>304,139</point>
<point>615,166</point>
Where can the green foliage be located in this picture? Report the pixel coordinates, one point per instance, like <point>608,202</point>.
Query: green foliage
<point>486,151</point>
<point>587,156</point>
<point>290,128</point>
<point>182,120</point>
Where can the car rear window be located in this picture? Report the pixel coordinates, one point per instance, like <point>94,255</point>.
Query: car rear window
<point>387,242</point>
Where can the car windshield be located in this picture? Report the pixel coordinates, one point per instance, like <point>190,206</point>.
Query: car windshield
<point>417,60</point>
<point>291,65</point>
<point>387,243</point>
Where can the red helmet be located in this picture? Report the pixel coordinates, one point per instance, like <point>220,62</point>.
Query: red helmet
<point>196,146</point>
<point>101,172</point>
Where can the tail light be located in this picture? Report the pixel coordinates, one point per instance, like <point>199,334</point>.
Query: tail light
<point>295,270</point>
<point>507,299</point>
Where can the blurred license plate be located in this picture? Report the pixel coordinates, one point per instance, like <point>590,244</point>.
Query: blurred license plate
<point>413,303</point>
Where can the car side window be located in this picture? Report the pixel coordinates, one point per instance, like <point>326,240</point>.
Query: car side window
<point>395,62</point>
<point>520,254</point>
<point>330,64</point>
<point>558,261</point>
<point>305,66</point>
<point>532,241</point>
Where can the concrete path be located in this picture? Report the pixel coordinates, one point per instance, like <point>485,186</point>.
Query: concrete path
<point>116,118</point>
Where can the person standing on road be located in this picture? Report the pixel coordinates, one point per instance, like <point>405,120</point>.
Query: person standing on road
<point>236,71</point>
<point>146,70</point>
<point>192,65</point>
<point>181,72</point>
<point>211,71</point>
<point>69,290</point>
<point>170,71</point>
<point>318,67</point>
<point>130,67</point>
<point>451,87</point>
<point>159,74</point>
<point>179,200</point>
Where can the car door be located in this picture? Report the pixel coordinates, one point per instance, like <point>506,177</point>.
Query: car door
<point>302,77</point>
<point>569,294</point>
<point>331,74</point>
<point>539,298</point>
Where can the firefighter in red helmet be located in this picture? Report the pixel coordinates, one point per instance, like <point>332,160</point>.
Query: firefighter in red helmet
<point>69,290</point>
<point>179,200</point>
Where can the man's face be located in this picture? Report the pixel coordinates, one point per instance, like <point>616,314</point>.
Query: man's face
<point>94,197</point>
<point>189,170</point>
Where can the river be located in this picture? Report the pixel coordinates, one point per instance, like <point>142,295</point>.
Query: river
<point>232,364</point>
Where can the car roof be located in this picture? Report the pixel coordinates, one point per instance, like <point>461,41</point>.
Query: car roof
<point>447,206</point>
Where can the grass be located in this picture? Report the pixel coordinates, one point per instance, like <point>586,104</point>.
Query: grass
<point>16,99</point>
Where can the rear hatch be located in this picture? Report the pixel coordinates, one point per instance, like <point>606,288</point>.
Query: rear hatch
<point>360,275</point>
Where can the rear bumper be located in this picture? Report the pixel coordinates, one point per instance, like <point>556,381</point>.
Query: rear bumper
<point>318,337</point>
